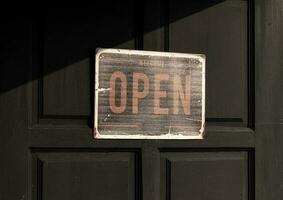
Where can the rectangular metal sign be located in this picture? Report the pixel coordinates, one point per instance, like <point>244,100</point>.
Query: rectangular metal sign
<point>149,95</point>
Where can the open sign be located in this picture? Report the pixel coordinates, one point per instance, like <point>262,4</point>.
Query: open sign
<point>144,94</point>
<point>139,78</point>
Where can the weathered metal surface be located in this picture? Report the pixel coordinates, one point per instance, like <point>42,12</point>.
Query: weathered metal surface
<point>149,95</point>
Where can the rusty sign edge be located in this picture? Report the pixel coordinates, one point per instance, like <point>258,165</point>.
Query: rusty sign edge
<point>99,51</point>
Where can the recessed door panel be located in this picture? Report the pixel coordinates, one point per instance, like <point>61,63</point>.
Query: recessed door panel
<point>204,175</point>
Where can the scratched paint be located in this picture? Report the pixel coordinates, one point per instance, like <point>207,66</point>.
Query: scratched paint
<point>149,95</point>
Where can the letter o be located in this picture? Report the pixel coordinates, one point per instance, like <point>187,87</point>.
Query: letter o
<point>112,96</point>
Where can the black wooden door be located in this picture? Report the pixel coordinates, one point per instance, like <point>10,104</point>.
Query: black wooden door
<point>47,94</point>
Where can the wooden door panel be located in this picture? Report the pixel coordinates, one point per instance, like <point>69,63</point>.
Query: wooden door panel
<point>85,175</point>
<point>218,30</point>
<point>71,82</point>
<point>66,42</point>
<point>204,175</point>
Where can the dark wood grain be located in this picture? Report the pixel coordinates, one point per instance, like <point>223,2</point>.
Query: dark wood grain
<point>220,32</point>
<point>39,152</point>
<point>269,129</point>
<point>72,175</point>
<point>221,175</point>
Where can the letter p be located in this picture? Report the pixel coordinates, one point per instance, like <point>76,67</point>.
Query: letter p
<point>136,93</point>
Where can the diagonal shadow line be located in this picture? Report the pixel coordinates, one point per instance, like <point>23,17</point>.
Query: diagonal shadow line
<point>50,39</point>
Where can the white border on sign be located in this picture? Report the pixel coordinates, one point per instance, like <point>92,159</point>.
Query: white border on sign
<point>97,135</point>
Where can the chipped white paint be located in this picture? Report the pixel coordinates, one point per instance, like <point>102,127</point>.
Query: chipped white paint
<point>103,89</point>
